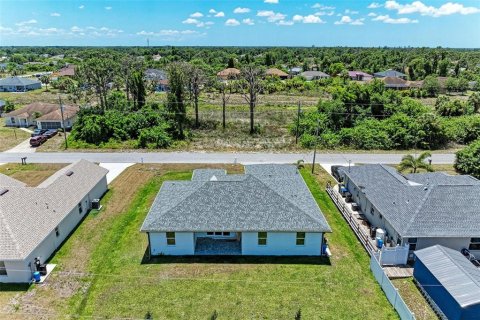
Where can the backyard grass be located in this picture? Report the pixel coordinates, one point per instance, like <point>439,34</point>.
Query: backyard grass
<point>448,168</point>
<point>10,137</point>
<point>414,299</point>
<point>102,270</point>
<point>32,174</point>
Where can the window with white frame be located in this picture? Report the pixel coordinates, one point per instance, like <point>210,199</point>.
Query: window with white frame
<point>474,244</point>
<point>170,238</point>
<point>262,238</point>
<point>300,240</point>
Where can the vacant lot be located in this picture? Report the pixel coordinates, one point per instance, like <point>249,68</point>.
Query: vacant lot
<point>32,174</point>
<point>102,271</point>
<point>10,137</point>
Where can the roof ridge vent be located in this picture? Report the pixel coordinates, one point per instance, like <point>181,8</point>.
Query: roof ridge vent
<point>69,173</point>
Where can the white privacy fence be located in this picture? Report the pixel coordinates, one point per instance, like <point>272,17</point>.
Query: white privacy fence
<point>390,291</point>
<point>394,255</point>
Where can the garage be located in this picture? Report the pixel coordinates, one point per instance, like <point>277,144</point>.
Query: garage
<point>50,125</point>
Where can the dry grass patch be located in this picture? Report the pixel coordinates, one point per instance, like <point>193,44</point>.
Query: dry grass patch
<point>32,174</point>
<point>414,299</point>
<point>10,137</point>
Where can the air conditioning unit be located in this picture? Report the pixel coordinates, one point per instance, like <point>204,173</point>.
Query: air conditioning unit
<point>96,204</point>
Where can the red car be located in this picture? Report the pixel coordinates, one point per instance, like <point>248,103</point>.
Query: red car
<point>37,141</point>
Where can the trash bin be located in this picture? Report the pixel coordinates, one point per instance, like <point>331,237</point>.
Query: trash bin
<point>36,276</point>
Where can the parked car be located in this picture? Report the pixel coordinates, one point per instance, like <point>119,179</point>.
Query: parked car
<point>38,132</point>
<point>37,141</point>
<point>336,174</point>
<point>50,133</point>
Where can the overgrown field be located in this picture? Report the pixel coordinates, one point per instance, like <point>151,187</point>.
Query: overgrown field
<point>101,270</point>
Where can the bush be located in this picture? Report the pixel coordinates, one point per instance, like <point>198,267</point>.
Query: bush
<point>155,137</point>
<point>467,160</point>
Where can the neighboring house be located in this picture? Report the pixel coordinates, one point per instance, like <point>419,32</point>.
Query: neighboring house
<point>359,75</point>
<point>274,72</point>
<point>49,116</point>
<point>18,84</point>
<point>228,73</point>
<point>314,75</point>
<point>2,105</point>
<point>159,78</point>
<point>36,220</point>
<point>421,209</point>
<point>395,83</point>
<point>269,210</point>
<point>450,280</point>
<point>390,73</point>
<point>67,71</point>
<point>295,71</point>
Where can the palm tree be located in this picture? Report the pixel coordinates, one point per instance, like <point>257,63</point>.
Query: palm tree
<point>45,79</point>
<point>412,163</point>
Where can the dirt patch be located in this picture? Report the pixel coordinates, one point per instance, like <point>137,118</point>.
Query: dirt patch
<point>32,174</point>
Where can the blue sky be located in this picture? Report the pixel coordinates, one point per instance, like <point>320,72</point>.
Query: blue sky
<point>451,23</point>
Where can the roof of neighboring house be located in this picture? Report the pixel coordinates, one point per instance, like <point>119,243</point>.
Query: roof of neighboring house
<point>389,73</point>
<point>454,271</point>
<point>67,71</point>
<point>295,69</point>
<point>17,81</point>
<point>313,73</point>
<point>229,72</point>
<point>443,207</point>
<point>56,115</point>
<point>265,198</point>
<point>276,72</point>
<point>394,82</point>
<point>354,73</point>
<point>155,74</point>
<point>29,214</point>
<point>6,181</point>
<point>48,111</point>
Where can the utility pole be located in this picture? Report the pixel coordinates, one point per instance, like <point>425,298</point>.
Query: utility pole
<point>298,123</point>
<point>63,122</point>
<point>315,149</point>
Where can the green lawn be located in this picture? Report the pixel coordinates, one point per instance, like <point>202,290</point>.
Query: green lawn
<point>120,283</point>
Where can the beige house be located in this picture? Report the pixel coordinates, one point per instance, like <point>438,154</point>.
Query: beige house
<point>42,115</point>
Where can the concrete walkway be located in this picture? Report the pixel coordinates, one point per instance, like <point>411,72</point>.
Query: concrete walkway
<point>114,169</point>
<point>26,130</point>
<point>22,147</point>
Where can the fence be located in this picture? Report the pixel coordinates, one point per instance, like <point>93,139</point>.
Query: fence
<point>390,291</point>
<point>394,256</point>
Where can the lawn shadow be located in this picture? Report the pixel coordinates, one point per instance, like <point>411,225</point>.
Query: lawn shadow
<point>9,287</point>
<point>309,260</point>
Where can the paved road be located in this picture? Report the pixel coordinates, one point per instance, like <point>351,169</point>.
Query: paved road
<point>199,157</point>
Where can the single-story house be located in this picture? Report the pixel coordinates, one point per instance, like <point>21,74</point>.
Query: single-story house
<point>314,75</point>
<point>36,220</point>
<point>390,73</point>
<point>295,71</point>
<point>159,78</point>
<point>228,73</point>
<point>420,209</point>
<point>43,115</point>
<point>274,72</point>
<point>359,75</point>
<point>395,83</point>
<point>269,210</point>
<point>67,71</point>
<point>451,280</point>
<point>19,84</point>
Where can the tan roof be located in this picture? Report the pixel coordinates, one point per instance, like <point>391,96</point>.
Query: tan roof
<point>276,72</point>
<point>229,72</point>
<point>6,181</point>
<point>68,112</point>
<point>43,108</point>
<point>28,215</point>
<point>68,71</point>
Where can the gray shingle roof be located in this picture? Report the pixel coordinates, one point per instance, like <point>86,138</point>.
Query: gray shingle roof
<point>448,208</point>
<point>389,73</point>
<point>28,215</point>
<point>442,178</point>
<point>17,81</point>
<point>255,201</point>
<point>455,272</point>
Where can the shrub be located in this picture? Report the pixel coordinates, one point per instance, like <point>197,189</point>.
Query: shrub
<point>467,160</point>
<point>155,137</point>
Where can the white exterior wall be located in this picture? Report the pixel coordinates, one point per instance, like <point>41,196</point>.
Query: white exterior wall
<point>68,122</point>
<point>452,243</point>
<point>282,244</point>
<point>19,122</point>
<point>184,244</point>
<point>21,270</point>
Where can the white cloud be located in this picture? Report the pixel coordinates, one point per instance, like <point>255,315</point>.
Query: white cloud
<point>271,16</point>
<point>196,15</point>
<point>387,19</point>
<point>419,7</point>
<point>209,23</point>
<point>348,20</point>
<point>248,21</point>
<point>81,7</point>
<point>322,7</point>
<point>219,14</point>
<point>374,5</point>
<point>212,11</point>
<point>307,19</point>
<point>271,1</point>
<point>167,32</point>
<point>285,23</point>
<point>372,14</point>
<point>76,29</point>
<point>23,23</point>
<point>348,11</point>
<point>55,14</point>
<point>241,10</point>
<point>232,23</point>
<point>324,13</point>
<point>190,21</point>
<point>108,8</point>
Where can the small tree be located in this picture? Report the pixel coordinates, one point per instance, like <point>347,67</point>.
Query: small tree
<point>466,160</point>
<point>412,163</point>
<point>251,85</point>
<point>223,88</point>
<point>9,107</point>
<point>45,79</point>
<point>474,101</point>
<point>176,96</point>
<point>431,86</point>
<point>196,81</point>
<point>137,89</point>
